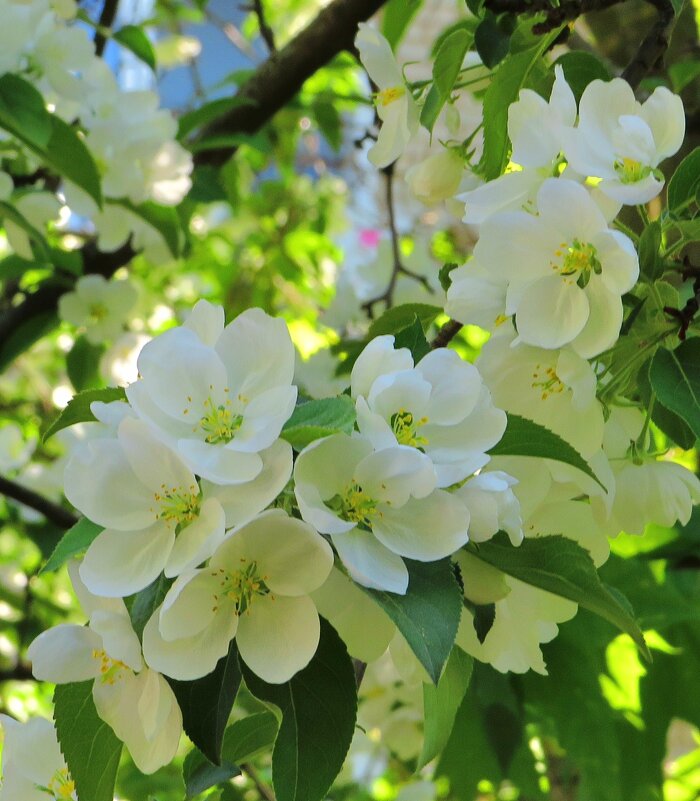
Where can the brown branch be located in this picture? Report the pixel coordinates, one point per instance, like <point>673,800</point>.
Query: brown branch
<point>565,11</point>
<point>446,334</point>
<point>265,30</point>
<point>656,43</point>
<point>275,82</point>
<point>50,510</point>
<point>19,672</point>
<point>109,12</point>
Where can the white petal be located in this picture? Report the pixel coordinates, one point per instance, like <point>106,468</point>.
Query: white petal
<point>378,358</point>
<point>119,640</point>
<point>207,321</point>
<point>63,654</point>
<point>120,563</point>
<point>278,636</point>
<point>218,463</point>
<point>191,604</point>
<point>602,328</point>
<point>393,475</point>
<point>455,385</point>
<point>264,417</point>
<point>371,564</point>
<point>199,540</point>
<point>569,209</point>
<point>551,312</point>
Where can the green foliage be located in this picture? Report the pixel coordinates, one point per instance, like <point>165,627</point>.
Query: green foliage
<point>400,317</point>
<point>82,364</point>
<point>73,543</point>
<point>318,707</point>
<point>650,261</point>
<point>39,245</point>
<point>89,745</point>
<point>143,604</point>
<point>315,419</point>
<point>448,63</point>
<point>22,112</point>
<point>524,437</point>
<point>68,155</point>
<point>25,335</point>
<point>163,218</point>
<point>580,68</point>
<point>413,338</point>
<point>397,17</point>
<point>675,377</point>
<point>492,37</point>
<point>560,566</point>
<point>134,38</point>
<point>206,704</point>
<point>78,408</point>
<point>441,702</point>
<point>684,184</point>
<point>428,614</point>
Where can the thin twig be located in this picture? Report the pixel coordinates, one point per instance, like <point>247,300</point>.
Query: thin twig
<point>446,334</point>
<point>265,30</point>
<point>109,12</point>
<point>50,510</point>
<point>263,789</point>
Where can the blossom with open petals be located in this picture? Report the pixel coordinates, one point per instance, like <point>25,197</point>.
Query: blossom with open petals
<point>99,305</point>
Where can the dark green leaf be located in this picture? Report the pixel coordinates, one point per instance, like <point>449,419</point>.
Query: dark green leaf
<point>414,339</point>
<point>78,408</point>
<point>82,364</point>
<point>134,38</point>
<point>208,112</point>
<point>484,618</point>
<point>683,73</point>
<point>163,218</point>
<point>492,38</point>
<point>513,74</point>
<point>445,270</point>
<point>25,335</point>
<point>560,566</point>
<point>329,122</point>
<point>144,603</point>
<point>428,614</point>
<point>449,59</point>
<point>206,704</point>
<point>502,713</point>
<point>671,424</point>
<point>684,183</point>
<point>432,107</point>
<point>524,437</point>
<point>69,156</point>
<point>318,707</point>
<point>22,111</point>
<point>399,317</point>
<point>675,377</point>
<point>319,418</point>
<point>397,16</point>
<point>441,702</point>
<point>89,745</point>
<point>73,543</point>
<point>650,262</point>
<point>244,740</point>
<point>580,68</point>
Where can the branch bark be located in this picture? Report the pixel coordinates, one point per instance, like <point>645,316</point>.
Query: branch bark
<point>50,510</point>
<point>109,12</point>
<point>654,45</point>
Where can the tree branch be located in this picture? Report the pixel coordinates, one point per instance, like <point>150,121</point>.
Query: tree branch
<point>51,511</point>
<point>446,334</point>
<point>275,82</point>
<point>109,12</point>
<point>265,30</point>
<point>565,11</point>
<point>652,49</point>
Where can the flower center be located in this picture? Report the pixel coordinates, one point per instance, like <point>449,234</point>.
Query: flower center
<point>97,312</point>
<point>242,586</point>
<point>219,421</point>
<point>177,505</point>
<point>61,785</point>
<point>547,380</point>
<point>111,670</point>
<point>405,428</point>
<point>390,94</point>
<point>578,259</point>
<point>354,505</point>
<point>630,170</point>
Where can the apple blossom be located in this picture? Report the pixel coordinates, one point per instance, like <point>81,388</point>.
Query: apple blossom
<point>101,306</point>
<point>15,449</point>
<point>255,588</point>
<point>437,177</point>
<point>492,506</point>
<point>218,396</point>
<point>377,506</point>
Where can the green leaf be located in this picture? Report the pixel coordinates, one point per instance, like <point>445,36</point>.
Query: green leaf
<point>432,106</point>
<point>428,614</point>
<point>40,247</point>
<point>82,364</point>
<point>399,317</point>
<point>22,111</point>
<point>163,218</point>
<point>441,702</point>
<point>68,155</point>
<point>396,18</point>
<point>25,335</point>
<point>684,183</point>
<point>73,543</point>
<point>78,408</point>
<point>560,566</point>
<point>580,68</point>
<point>89,745</point>
<point>208,112</point>
<point>318,707</point>
<point>414,339</point>
<point>244,740</point>
<point>492,38</point>
<point>329,122</point>
<point>650,261</point>
<point>513,74</point>
<point>683,73</point>
<point>675,377</point>
<point>524,437</point>
<point>144,603</point>
<point>671,424</point>
<point>315,419</point>
<point>207,702</point>
<point>448,63</point>
<point>134,38</point>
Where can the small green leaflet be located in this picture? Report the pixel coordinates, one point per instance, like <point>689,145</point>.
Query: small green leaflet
<point>399,317</point>
<point>396,17</point>
<point>650,262</point>
<point>560,566</point>
<point>206,704</point>
<point>318,706</point>
<point>684,183</point>
<point>163,218</point>
<point>580,68</point>
<point>134,38</point>
<point>675,377</point>
<point>68,155</point>
<point>22,111</point>
<point>413,338</point>
<point>448,63</point>
<point>244,740</point>
<point>441,702</point>
<point>73,543</point>
<point>428,614</point>
<point>78,408</point>
<point>315,419</point>
<point>143,604</point>
<point>524,437</point>
<point>89,745</point>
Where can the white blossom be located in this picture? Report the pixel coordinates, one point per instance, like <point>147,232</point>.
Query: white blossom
<point>101,306</point>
